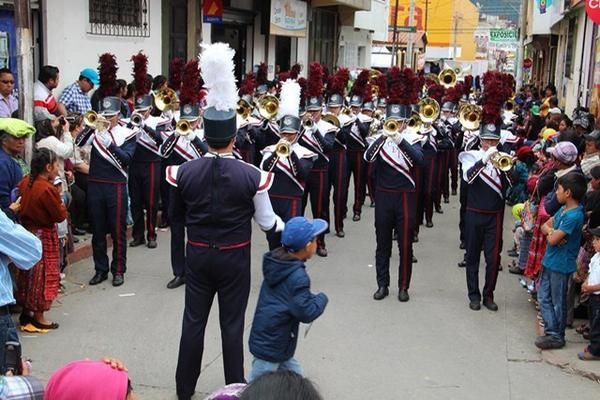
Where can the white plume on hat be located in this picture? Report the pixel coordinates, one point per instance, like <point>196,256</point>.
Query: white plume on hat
<point>289,102</point>
<point>217,69</point>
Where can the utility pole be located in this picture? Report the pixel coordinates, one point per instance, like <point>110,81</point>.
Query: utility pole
<point>411,22</point>
<point>519,62</point>
<point>426,18</point>
<point>455,45</point>
<point>25,65</point>
<point>395,35</point>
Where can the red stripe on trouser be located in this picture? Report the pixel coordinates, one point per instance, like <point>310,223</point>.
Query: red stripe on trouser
<point>118,228</point>
<point>150,215</point>
<point>358,187</point>
<point>405,242</point>
<point>339,220</point>
<point>495,260</point>
<point>294,209</point>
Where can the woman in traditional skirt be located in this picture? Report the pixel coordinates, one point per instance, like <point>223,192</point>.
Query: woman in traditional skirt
<point>41,209</point>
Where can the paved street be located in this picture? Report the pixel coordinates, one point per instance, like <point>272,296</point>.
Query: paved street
<point>433,347</point>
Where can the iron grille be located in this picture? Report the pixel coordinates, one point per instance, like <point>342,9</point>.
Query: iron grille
<point>119,18</point>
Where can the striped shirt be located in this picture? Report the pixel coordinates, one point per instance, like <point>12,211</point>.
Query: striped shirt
<point>19,246</point>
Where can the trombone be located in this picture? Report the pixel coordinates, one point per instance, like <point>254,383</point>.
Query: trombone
<point>183,127</point>
<point>268,107</point>
<point>502,161</point>
<point>166,100</point>
<point>429,110</point>
<point>447,77</point>
<point>95,120</point>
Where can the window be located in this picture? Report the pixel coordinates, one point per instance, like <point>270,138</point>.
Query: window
<point>119,18</point>
<point>571,36</point>
<point>323,37</point>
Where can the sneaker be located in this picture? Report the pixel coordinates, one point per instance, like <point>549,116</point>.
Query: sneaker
<point>549,343</point>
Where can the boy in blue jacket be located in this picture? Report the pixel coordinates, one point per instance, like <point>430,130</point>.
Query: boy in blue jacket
<point>285,299</point>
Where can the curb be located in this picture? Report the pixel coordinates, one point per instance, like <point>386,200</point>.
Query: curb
<point>551,358</point>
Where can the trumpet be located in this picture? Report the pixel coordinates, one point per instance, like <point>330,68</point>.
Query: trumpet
<point>136,119</point>
<point>332,119</point>
<point>470,117</point>
<point>374,127</point>
<point>391,127</point>
<point>308,123</point>
<point>283,148</point>
<point>347,111</point>
<point>429,110</point>
<point>447,77</point>
<point>510,104</point>
<point>502,161</point>
<point>96,121</point>
<point>268,107</point>
<point>183,127</point>
<point>244,109</point>
<point>166,100</point>
<point>433,77</point>
<point>414,123</point>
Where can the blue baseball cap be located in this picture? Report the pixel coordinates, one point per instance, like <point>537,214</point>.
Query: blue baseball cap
<point>299,231</point>
<point>91,75</point>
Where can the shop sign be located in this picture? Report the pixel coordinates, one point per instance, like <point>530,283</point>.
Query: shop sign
<point>212,12</point>
<point>288,18</point>
<point>527,63</point>
<point>503,35</point>
<point>595,106</point>
<point>592,8</point>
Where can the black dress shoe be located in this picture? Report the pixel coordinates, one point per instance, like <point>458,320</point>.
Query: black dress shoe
<point>446,200</point>
<point>118,280</point>
<point>403,295</point>
<point>416,238</point>
<point>381,293</point>
<point>75,239</point>
<point>414,260</point>
<point>163,225</point>
<point>78,231</point>
<point>453,192</point>
<point>322,252</point>
<point>137,242</point>
<point>372,204</point>
<point>462,245</point>
<point>152,244</point>
<point>429,224</point>
<point>98,278</point>
<point>475,306</point>
<point>340,234</point>
<point>356,217</point>
<point>462,264</point>
<point>176,282</point>
<point>438,209</point>
<point>490,305</point>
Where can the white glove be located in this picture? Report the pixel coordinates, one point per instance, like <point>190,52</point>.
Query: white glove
<point>104,138</point>
<point>488,153</point>
<point>397,137</point>
<point>191,136</point>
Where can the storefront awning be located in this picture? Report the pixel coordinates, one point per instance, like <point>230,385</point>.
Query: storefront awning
<point>358,5</point>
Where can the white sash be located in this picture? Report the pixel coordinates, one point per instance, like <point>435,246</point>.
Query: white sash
<point>395,158</point>
<point>489,174</point>
<point>119,135</point>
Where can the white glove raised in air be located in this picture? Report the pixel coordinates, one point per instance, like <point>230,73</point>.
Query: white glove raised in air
<point>104,138</point>
<point>488,153</point>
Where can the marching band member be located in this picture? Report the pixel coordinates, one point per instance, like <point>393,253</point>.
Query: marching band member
<point>182,145</point>
<point>394,154</point>
<point>289,162</point>
<point>356,146</point>
<point>337,156</point>
<point>113,146</point>
<point>318,139</point>
<point>245,143</point>
<point>428,187</point>
<point>488,182</point>
<point>144,171</point>
<point>217,196</point>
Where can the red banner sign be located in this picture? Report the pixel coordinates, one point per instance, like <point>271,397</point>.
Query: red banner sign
<point>592,8</point>
<point>212,12</point>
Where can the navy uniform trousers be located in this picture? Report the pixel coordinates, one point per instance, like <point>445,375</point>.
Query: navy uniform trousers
<point>177,229</point>
<point>317,190</point>
<point>464,191</point>
<point>144,191</point>
<point>226,273</point>
<point>338,172</point>
<point>427,190</point>
<point>483,231</point>
<point>443,186</point>
<point>357,168</point>
<point>107,205</point>
<point>453,166</point>
<point>394,211</point>
<point>287,207</point>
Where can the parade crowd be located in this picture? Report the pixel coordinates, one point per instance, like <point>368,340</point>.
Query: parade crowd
<point>203,156</point>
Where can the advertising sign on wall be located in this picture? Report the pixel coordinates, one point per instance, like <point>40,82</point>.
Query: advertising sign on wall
<point>288,18</point>
<point>503,35</point>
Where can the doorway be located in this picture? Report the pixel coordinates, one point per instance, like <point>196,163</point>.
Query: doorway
<point>235,36</point>
<point>178,30</point>
<point>283,52</point>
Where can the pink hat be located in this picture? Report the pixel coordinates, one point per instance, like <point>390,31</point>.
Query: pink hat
<point>565,152</point>
<point>90,380</point>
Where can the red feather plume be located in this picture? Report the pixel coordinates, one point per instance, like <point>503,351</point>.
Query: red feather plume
<point>337,83</point>
<point>261,74</point>
<point>453,94</point>
<point>358,88</point>
<point>295,71</point>
<point>108,74</point>
<point>404,86</point>
<point>247,86</point>
<point>140,70</point>
<point>494,96</point>
<point>436,92</point>
<point>190,83</point>
<point>283,76</point>
<point>468,84</point>
<point>176,73</point>
<point>367,93</point>
<point>303,84</point>
<point>314,86</point>
<point>382,84</point>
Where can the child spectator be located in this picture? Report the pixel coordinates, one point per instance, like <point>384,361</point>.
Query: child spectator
<point>41,209</point>
<point>281,385</point>
<point>563,234</point>
<point>592,286</point>
<point>285,299</point>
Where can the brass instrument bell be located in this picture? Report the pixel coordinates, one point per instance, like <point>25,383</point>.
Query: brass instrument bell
<point>447,77</point>
<point>429,110</point>
<point>282,148</point>
<point>510,104</point>
<point>244,109</point>
<point>268,107</point>
<point>391,127</point>
<point>308,123</point>
<point>166,99</point>
<point>332,119</point>
<point>347,111</point>
<point>183,127</point>
<point>433,77</point>
<point>414,123</point>
<point>502,161</point>
<point>95,120</point>
<point>136,119</point>
<point>470,117</point>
